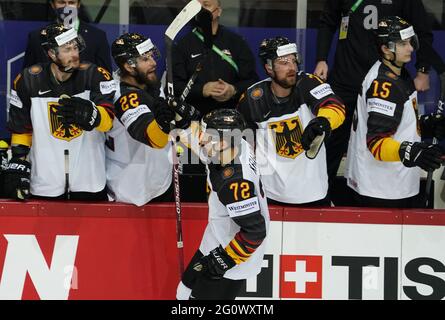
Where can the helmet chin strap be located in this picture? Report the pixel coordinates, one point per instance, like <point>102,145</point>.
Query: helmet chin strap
<point>61,67</point>
<point>394,63</point>
<point>393,60</point>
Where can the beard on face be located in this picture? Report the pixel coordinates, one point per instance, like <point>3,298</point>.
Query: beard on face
<point>148,78</point>
<point>286,82</point>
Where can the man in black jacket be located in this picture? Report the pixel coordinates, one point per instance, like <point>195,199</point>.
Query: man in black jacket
<point>228,68</point>
<point>97,48</point>
<point>356,53</point>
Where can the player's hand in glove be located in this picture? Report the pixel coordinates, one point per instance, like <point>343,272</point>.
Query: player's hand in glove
<point>16,179</point>
<point>432,125</point>
<point>185,113</point>
<point>80,112</point>
<point>424,155</point>
<point>215,264</point>
<point>163,114</point>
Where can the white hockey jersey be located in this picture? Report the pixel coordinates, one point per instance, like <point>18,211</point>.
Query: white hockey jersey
<point>136,172</point>
<point>365,174</point>
<point>236,192</point>
<point>288,175</point>
<point>33,109</point>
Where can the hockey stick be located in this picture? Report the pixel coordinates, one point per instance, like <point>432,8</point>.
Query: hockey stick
<point>66,153</point>
<point>191,81</point>
<point>315,146</point>
<point>429,182</point>
<point>102,11</point>
<point>186,14</point>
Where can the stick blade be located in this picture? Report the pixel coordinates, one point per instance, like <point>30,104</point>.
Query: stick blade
<point>186,14</point>
<point>315,146</point>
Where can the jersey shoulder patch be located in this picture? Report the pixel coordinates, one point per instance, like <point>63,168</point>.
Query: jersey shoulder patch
<point>220,175</point>
<point>35,69</point>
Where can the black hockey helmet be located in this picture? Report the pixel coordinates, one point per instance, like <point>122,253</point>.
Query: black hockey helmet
<point>129,46</point>
<point>56,35</point>
<point>223,120</point>
<point>226,124</point>
<point>392,29</point>
<point>273,48</point>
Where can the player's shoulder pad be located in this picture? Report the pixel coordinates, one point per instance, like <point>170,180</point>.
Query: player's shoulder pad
<point>30,77</point>
<point>235,190</point>
<point>388,86</point>
<point>229,183</point>
<point>312,85</point>
<point>220,175</point>
<point>254,103</point>
<point>257,90</point>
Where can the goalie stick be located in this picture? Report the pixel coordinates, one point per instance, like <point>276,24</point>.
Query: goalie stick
<point>186,14</point>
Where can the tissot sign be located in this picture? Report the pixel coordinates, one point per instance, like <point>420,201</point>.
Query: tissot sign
<point>301,277</point>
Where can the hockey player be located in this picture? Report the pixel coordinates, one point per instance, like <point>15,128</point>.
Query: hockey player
<point>233,244</point>
<point>289,110</point>
<point>138,153</point>
<point>385,152</point>
<point>58,115</point>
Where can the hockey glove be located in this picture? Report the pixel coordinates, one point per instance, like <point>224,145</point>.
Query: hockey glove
<point>433,126</point>
<point>315,133</point>
<point>215,264</point>
<point>163,114</point>
<point>16,179</point>
<point>185,114</point>
<point>80,112</point>
<point>424,155</point>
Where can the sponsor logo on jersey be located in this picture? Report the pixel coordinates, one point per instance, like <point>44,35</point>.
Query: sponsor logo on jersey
<point>242,208</point>
<point>322,91</point>
<point>58,129</point>
<point>381,106</point>
<point>287,136</point>
<point>107,87</point>
<point>44,92</point>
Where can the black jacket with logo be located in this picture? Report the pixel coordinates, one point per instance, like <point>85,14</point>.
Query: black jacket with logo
<point>356,54</point>
<point>190,50</point>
